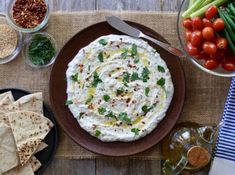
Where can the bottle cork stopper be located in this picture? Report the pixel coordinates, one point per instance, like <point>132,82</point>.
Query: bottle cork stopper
<point>198,156</point>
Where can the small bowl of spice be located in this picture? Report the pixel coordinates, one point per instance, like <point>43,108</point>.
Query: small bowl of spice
<point>40,50</point>
<point>28,16</point>
<point>11,41</point>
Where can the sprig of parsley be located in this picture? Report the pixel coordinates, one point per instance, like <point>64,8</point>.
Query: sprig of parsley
<point>147,90</point>
<point>145,74</point>
<point>68,102</point>
<point>106,98</point>
<point>101,57</point>
<point>101,110</point>
<point>161,82</point>
<point>160,69</point>
<point>74,77</point>
<point>134,50</point>
<point>97,133</point>
<point>103,42</point>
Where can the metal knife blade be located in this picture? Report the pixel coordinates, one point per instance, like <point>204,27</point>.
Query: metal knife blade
<point>118,24</point>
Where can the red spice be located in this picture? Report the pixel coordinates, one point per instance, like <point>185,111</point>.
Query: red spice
<point>29,13</point>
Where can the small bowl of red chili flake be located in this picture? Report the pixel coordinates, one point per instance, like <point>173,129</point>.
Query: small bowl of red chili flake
<point>28,16</point>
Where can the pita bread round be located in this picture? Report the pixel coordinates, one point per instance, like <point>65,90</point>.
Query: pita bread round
<point>7,105</point>
<point>29,129</point>
<point>35,163</point>
<point>9,94</point>
<point>8,151</point>
<point>21,170</point>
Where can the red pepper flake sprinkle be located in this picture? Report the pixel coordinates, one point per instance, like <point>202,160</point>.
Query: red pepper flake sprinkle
<point>29,13</point>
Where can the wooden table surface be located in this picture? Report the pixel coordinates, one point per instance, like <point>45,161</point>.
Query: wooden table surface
<point>106,166</point>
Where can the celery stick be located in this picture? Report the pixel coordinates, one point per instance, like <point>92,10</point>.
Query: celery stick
<point>201,11</point>
<point>191,2</point>
<point>206,2</point>
<point>193,8</point>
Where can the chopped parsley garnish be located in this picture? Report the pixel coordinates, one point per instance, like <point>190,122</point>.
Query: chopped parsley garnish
<point>124,117</point>
<point>145,74</point>
<point>97,133</point>
<point>106,97</point>
<point>89,99</point>
<point>41,50</point>
<point>120,91</point>
<point>101,110</point>
<point>136,60</point>
<point>81,114</point>
<point>96,80</point>
<point>103,42</point>
<point>74,77</point>
<point>160,69</point>
<point>124,54</point>
<point>68,102</point>
<point>89,68</point>
<point>147,90</point>
<point>135,76</point>
<point>111,115</point>
<point>146,109</point>
<point>101,57</point>
<point>133,50</point>
<point>135,131</point>
<point>126,78</point>
<point>161,82</point>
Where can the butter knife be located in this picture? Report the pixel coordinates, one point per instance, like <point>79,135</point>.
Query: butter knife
<point>123,27</point>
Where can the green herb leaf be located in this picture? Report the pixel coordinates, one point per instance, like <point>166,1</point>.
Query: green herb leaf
<point>135,131</point>
<point>96,79</point>
<point>97,133</point>
<point>106,97</point>
<point>101,57</point>
<point>135,76</point>
<point>146,109</point>
<point>81,114</point>
<point>161,82</point>
<point>133,50</point>
<point>41,50</point>
<point>161,69</point>
<point>68,102</point>
<point>147,90</point>
<point>101,110</point>
<point>89,99</point>
<point>111,115</point>
<point>136,60</point>
<point>145,74</point>
<point>123,117</point>
<point>103,42</point>
<point>74,77</point>
<point>120,91</point>
<point>126,78</point>
<point>89,68</point>
<point>124,54</point>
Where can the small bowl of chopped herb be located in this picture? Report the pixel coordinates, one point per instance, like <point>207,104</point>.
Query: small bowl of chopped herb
<point>40,50</point>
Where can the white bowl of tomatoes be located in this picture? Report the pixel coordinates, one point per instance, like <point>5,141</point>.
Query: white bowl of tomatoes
<point>206,30</point>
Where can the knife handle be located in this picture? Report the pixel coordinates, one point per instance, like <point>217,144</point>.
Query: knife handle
<point>173,50</point>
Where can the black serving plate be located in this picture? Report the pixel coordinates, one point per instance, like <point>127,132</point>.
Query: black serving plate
<point>45,156</point>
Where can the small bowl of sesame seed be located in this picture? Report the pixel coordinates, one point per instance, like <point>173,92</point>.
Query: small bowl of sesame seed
<point>28,16</point>
<point>11,41</point>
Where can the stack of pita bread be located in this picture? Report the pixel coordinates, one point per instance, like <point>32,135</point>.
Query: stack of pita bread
<point>22,130</point>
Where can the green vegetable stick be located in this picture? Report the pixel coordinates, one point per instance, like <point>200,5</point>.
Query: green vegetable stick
<point>201,11</point>
<point>191,2</point>
<point>193,8</point>
<point>206,2</point>
<point>230,42</point>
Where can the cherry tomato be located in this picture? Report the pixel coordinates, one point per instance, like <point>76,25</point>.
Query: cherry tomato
<point>208,33</point>
<point>207,23</point>
<point>229,66</point>
<point>188,34</point>
<point>209,47</point>
<point>219,56</point>
<point>187,23</point>
<point>197,23</point>
<point>221,43</point>
<point>192,50</point>
<point>211,12</point>
<point>196,38</point>
<point>202,56</point>
<point>211,64</point>
<point>218,25</point>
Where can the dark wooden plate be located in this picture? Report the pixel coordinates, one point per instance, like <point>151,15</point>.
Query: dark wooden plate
<point>69,124</point>
<point>45,156</point>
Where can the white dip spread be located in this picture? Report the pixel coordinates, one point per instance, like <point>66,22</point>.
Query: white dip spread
<point>118,88</point>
